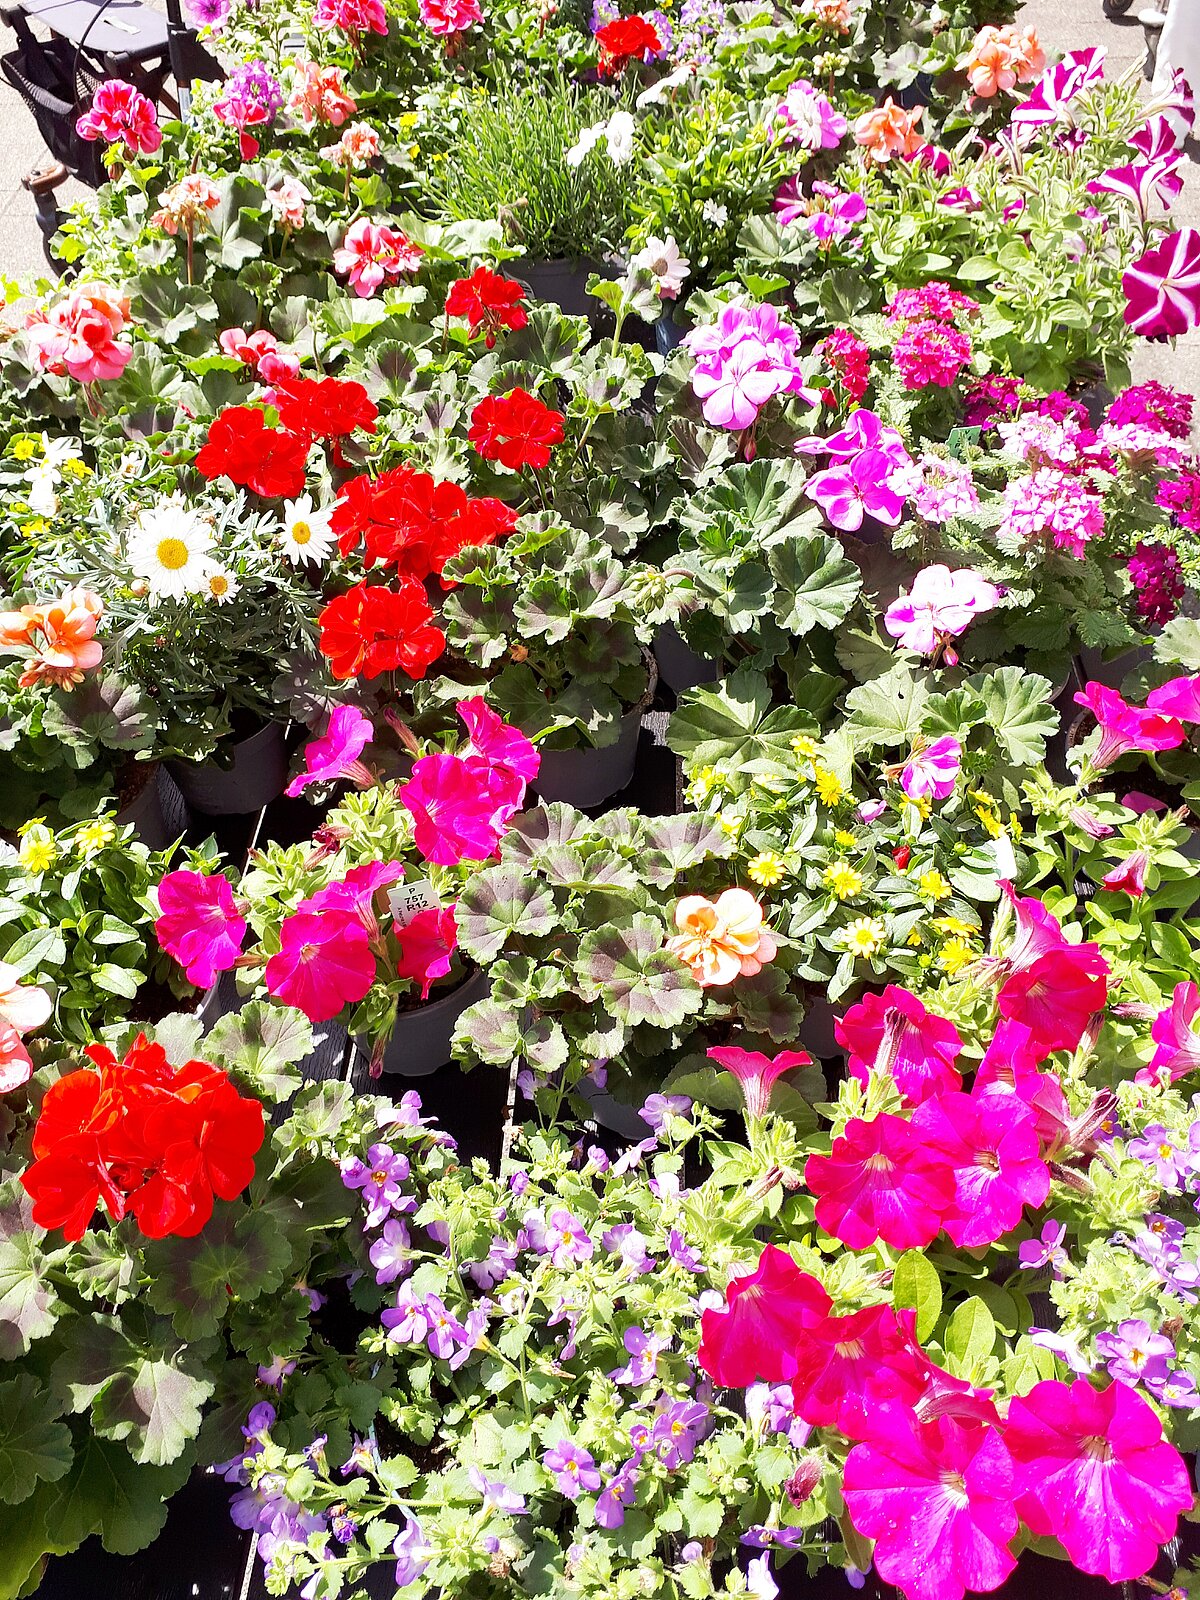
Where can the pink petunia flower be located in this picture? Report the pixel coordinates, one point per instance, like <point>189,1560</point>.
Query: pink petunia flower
<point>354,894</point>
<point>1124,727</point>
<point>931,773</point>
<point>892,1033</point>
<point>1173,1032</point>
<point>857,489</point>
<point>940,605</point>
<point>496,742</point>
<point>1179,697</point>
<point>757,1073</point>
<point>324,963</point>
<point>990,1145</point>
<point>1094,1472</point>
<point>336,753</point>
<point>1162,287</point>
<point>846,1365</point>
<point>766,1314</point>
<point>199,924</point>
<point>371,253</point>
<point>1055,90</point>
<point>1129,876</point>
<point>879,1182</point>
<point>427,945</point>
<point>937,1499</point>
<point>1051,986</point>
<point>460,807</point>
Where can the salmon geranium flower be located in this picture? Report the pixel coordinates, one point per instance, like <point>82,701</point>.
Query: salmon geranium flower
<point>58,636</point>
<point>721,939</point>
<point>889,130</point>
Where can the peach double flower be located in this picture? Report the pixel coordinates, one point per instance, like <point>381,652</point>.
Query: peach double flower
<point>23,1007</point>
<point>721,939</point>
<point>1000,58</point>
<point>889,131</point>
<point>59,634</point>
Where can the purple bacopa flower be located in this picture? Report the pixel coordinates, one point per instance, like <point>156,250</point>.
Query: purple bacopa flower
<point>1046,1251</point>
<point>1155,1148</point>
<point>598,1159</point>
<point>412,1553</point>
<point>1134,1353</point>
<point>342,1527</point>
<point>1162,287</point>
<point>497,1496</point>
<point>773,1538</point>
<point>363,1457</point>
<point>625,1241</point>
<point>1177,1389</point>
<point>495,1266</point>
<point>446,1332</point>
<point>619,1493</point>
<point>682,1253</point>
<point>659,1107</point>
<point>390,1252</point>
<point>567,1239</point>
<point>274,1374</point>
<point>632,1156</point>
<point>1065,1348</point>
<point>572,1468</point>
<point>518,1183</point>
<point>857,489</point>
<point>473,1336</point>
<point>678,1430</point>
<point>565,1311</point>
<point>379,1179</point>
<point>407,1322</point>
<point>644,1350</point>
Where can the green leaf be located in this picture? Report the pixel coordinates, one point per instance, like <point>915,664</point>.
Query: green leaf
<point>970,1335</point>
<point>29,1306</point>
<point>262,1043</point>
<point>195,1280</point>
<point>636,977</point>
<point>917,1286</point>
<point>734,723</point>
<point>146,1390</point>
<point>107,1493</point>
<point>34,1445</point>
<point>1019,712</point>
<point>498,904</point>
<point>887,710</point>
<point>816,585</point>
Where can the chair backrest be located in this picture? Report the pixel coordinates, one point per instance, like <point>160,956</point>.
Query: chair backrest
<point>57,85</point>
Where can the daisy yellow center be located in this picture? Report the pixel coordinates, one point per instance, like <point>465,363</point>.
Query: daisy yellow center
<point>218,584</point>
<point>301,533</point>
<point>172,554</point>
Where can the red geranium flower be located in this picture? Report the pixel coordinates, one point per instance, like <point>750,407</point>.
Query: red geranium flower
<point>517,430</point>
<point>624,39</point>
<point>324,408</point>
<point>408,520</point>
<point>243,449</point>
<point>487,301</point>
<point>370,630</point>
<point>143,1138</point>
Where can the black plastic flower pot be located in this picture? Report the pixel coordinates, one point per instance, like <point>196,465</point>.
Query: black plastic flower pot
<point>256,776</point>
<point>420,1041</point>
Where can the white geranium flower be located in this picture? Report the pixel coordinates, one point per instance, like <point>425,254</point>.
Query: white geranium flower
<point>662,260</point>
<point>169,547</point>
<point>658,92</point>
<point>715,213</point>
<point>306,535</point>
<point>585,144</point>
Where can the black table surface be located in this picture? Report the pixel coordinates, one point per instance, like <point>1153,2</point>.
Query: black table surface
<point>125,28</point>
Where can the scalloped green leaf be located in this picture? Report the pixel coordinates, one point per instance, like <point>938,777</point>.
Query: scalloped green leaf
<point>816,586</point>
<point>635,976</point>
<point>498,904</point>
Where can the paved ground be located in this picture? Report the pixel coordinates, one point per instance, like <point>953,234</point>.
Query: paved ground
<point>1062,24</point>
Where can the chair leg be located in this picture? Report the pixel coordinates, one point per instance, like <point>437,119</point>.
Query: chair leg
<point>41,184</point>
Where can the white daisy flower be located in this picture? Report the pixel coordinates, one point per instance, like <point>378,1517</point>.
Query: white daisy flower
<point>306,534</point>
<point>169,547</point>
<point>222,585</point>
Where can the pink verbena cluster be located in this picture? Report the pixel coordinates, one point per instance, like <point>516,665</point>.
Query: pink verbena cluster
<point>1181,497</point>
<point>1156,574</point>
<point>1154,405</point>
<point>931,349</point>
<point>990,398</point>
<point>1052,503</point>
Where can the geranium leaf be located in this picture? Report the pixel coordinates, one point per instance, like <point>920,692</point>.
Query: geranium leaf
<point>497,904</point>
<point>107,1493</point>
<point>262,1043</point>
<point>734,723</point>
<point>638,979</point>
<point>815,584</point>
<point>488,1032</point>
<point>1018,712</point>
<point>34,1445</point>
<point>144,1390</point>
<point>194,1280</point>
<point>886,711</point>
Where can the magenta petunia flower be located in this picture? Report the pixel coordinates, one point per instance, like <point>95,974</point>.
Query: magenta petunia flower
<point>1141,184</point>
<point>1129,876</point>
<point>1057,995</point>
<point>199,924</point>
<point>1179,697</point>
<point>494,741</point>
<point>460,807</point>
<point>1055,89</point>
<point>937,1497</point>
<point>336,752</point>
<point>846,1365</point>
<point>1173,1032</point>
<point>355,892</point>
<point>931,773</point>
<point>1124,727</point>
<point>1162,287</point>
<point>324,962</point>
<point>879,1182</point>
<point>990,1145</point>
<point>1094,1472</point>
<point>856,489</point>
<point>766,1313</point>
<point>893,1033</point>
<point>757,1073</point>
<point>427,944</point>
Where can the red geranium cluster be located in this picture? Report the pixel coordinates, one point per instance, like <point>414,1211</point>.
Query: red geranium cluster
<point>370,630</point>
<point>517,430</point>
<point>487,301</point>
<point>143,1138</point>
<point>625,39</point>
<point>408,520</point>
<point>271,461</point>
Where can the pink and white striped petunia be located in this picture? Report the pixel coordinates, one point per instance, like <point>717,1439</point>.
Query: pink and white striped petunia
<point>1141,185</point>
<point>1054,90</point>
<point>1162,287</point>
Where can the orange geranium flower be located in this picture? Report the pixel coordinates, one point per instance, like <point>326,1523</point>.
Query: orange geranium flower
<point>889,131</point>
<point>721,939</point>
<point>60,635</point>
<point>1000,58</point>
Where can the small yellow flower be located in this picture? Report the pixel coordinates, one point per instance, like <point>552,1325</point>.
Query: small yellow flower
<point>34,529</point>
<point>76,468</point>
<point>94,835</point>
<point>766,869</point>
<point>731,823</point>
<point>991,823</point>
<point>1014,826</point>
<point>804,746</point>
<point>954,926</point>
<point>24,449</point>
<point>842,881</point>
<point>829,786</point>
<point>38,850</point>
<point>955,954</point>
<point>865,936</point>
<point>845,838</point>
<point>923,807</point>
<point>933,886</point>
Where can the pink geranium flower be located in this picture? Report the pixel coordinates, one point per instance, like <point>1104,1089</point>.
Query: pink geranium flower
<point>757,1073</point>
<point>892,1033</point>
<point>1179,697</point>
<point>990,1146</point>
<point>324,963</point>
<point>766,1315</point>
<point>1124,727</point>
<point>23,1007</point>
<point>1178,1045</point>
<point>864,431</point>
<point>810,119</point>
<point>460,808</point>
<point>1094,1472</point>
<point>354,18</point>
<point>857,489</point>
<point>879,1182</point>
<point>937,1498</point>
<point>444,17</point>
<point>199,924</point>
<point>1162,287</point>
<point>931,773</point>
<point>371,253</point>
<point>495,742</point>
<point>121,114</point>
<point>846,1365</point>
<point>940,605</point>
<point>336,753</point>
<point>427,944</point>
<point>81,335</point>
